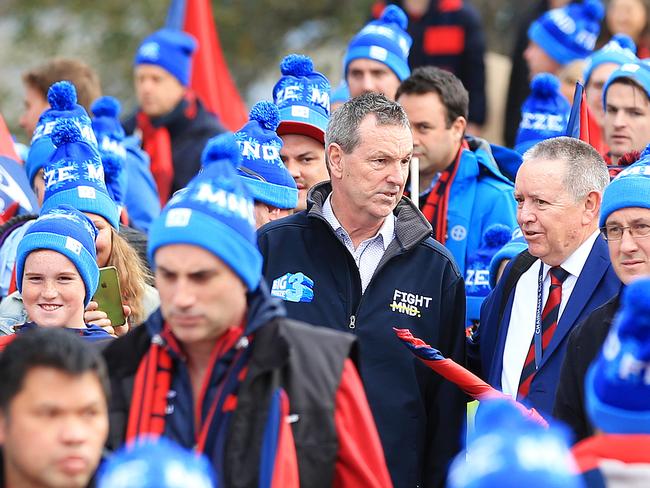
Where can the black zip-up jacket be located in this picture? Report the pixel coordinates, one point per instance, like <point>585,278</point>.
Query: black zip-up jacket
<point>417,286</point>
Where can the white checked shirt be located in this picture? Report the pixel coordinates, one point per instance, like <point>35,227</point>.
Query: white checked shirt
<point>368,254</point>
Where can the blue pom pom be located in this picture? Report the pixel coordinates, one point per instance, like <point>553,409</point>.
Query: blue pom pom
<point>65,131</point>
<point>392,14</point>
<point>223,146</point>
<point>297,65</point>
<point>62,95</point>
<point>633,319</point>
<point>545,85</point>
<point>106,107</point>
<point>594,9</point>
<point>497,235</point>
<point>266,113</point>
<point>624,41</point>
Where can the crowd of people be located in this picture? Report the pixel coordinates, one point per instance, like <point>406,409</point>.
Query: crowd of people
<point>260,276</point>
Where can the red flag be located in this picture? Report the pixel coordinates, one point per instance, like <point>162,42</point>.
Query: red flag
<point>211,79</point>
<point>7,142</point>
<point>582,123</point>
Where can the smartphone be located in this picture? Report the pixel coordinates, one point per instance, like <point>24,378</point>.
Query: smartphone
<point>108,295</point>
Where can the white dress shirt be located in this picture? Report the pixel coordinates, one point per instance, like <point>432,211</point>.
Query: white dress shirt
<point>368,254</point>
<point>524,309</point>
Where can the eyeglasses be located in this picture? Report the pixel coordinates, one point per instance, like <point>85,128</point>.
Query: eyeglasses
<point>615,232</point>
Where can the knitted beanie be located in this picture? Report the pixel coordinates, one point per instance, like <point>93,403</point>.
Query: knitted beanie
<point>617,385</point>
<point>170,49</point>
<point>619,50</point>
<point>62,97</point>
<point>215,212</point>
<point>262,170</point>
<point>303,97</point>
<point>515,246</point>
<point>384,40</point>
<point>67,231</point>
<point>631,188</point>
<point>75,175</point>
<point>639,72</point>
<point>156,463</point>
<point>110,134</point>
<point>568,33</point>
<point>544,114</point>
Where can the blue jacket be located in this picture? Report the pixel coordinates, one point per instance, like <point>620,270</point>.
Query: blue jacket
<point>417,286</point>
<point>480,196</point>
<point>141,196</point>
<point>596,284</point>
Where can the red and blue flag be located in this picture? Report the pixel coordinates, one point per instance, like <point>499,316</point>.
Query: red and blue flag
<point>582,124</point>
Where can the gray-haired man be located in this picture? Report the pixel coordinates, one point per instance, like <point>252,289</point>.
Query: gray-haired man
<point>361,259</point>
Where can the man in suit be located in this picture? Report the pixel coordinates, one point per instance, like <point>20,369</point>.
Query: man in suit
<point>565,274</point>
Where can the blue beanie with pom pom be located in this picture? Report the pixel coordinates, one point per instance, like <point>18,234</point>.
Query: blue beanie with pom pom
<point>170,49</point>
<point>75,175</point>
<point>110,134</point>
<point>303,97</point>
<point>262,169</point>
<point>544,114</point>
<point>570,32</point>
<point>619,50</point>
<point>214,212</point>
<point>617,385</point>
<point>384,40</point>
<point>62,97</point>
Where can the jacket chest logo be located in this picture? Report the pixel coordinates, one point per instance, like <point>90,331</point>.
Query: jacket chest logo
<point>458,232</point>
<point>409,303</point>
<point>293,287</point>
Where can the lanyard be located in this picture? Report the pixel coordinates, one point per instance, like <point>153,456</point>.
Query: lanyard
<point>538,316</point>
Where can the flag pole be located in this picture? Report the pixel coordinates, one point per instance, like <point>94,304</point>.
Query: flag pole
<point>415,181</point>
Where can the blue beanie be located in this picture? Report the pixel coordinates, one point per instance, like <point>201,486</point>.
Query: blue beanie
<point>639,72</point>
<point>544,114</point>
<point>303,97</point>
<point>617,385</point>
<point>630,188</point>
<point>171,50</point>
<point>110,134</point>
<point>568,33</point>
<point>341,93</point>
<point>515,246</point>
<point>619,50</point>
<point>156,463</point>
<point>477,271</point>
<point>215,212</point>
<point>75,175</point>
<point>262,170</point>
<point>67,231</point>
<point>62,97</point>
<point>509,451</point>
<point>384,40</point>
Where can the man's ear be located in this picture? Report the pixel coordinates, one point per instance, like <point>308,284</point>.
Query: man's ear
<point>3,428</point>
<point>458,127</point>
<point>592,207</point>
<point>335,158</point>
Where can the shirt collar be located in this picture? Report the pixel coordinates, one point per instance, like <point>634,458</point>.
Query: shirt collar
<point>386,231</point>
<point>576,261</point>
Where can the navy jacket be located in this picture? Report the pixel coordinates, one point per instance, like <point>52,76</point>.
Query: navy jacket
<point>596,284</point>
<point>417,286</point>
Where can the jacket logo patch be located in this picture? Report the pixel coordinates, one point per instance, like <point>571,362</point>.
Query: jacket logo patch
<point>409,303</point>
<point>458,232</point>
<point>293,287</point>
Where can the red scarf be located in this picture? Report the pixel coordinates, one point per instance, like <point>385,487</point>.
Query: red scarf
<point>435,208</point>
<point>154,378</point>
<point>156,141</point>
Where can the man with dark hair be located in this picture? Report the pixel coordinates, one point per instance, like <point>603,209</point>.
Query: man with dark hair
<point>53,410</point>
<point>565,274</point>
<point>38,80</point>
<point>462,191</point>
<point>361,259</point>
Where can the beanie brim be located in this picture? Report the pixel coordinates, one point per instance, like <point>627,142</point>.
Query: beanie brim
<point>102,204</point>
<point>560,53</point>
<point>201,230</point>
<point>279,196</point>
<point>610,419</point>
<point>624,192</point>
<point>84,261</point>
<point>393,61</point>
<point>300,119</point>
<point>617,75</point>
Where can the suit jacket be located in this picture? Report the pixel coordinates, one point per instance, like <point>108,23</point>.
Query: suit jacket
<point>596,284</point>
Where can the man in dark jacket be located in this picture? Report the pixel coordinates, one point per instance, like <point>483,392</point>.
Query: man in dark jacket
<point>361,259</point>
<point>171,120</point>
<point>625,224</point>
<point>220,369</point>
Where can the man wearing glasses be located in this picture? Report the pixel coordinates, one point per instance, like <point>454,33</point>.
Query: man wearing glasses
<point>549,289</point>
<point>625,224</point>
